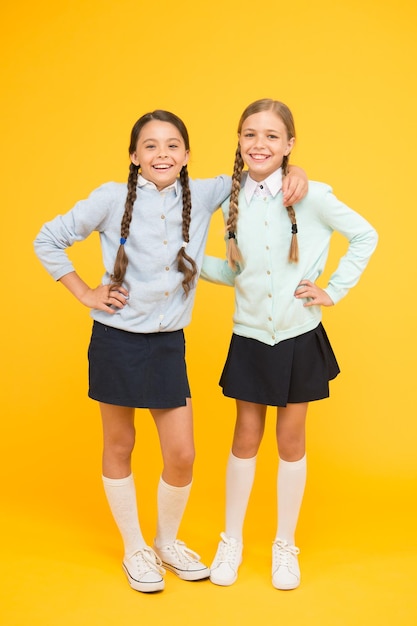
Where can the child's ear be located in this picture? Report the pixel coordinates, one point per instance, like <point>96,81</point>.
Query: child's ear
<point>290,146</point>
<point>134,159</point>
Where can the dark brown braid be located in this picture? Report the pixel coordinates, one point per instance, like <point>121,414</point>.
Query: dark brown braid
<point>182,257</point>
<point>122,261</point>
<point>233,253</point>
<point>293,254</point>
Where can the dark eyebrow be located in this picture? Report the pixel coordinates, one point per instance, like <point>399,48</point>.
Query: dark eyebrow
<point>171,139</point>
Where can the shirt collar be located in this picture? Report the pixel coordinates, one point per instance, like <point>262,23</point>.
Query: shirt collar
<point>273,183</point>
<point>143,182</point>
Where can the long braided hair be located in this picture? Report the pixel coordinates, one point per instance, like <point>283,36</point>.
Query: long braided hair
<point>185,263</point>
<point>282,111</point>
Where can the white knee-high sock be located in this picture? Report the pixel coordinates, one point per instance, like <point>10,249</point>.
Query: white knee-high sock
<point>240,474</point>
<point>121,496</point>
<point>290,485</point>
<point>171,505</point>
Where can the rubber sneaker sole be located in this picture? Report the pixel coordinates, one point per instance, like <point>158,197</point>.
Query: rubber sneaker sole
<point>285,586</point>
<point>144,586</point>
<point>190,575</point>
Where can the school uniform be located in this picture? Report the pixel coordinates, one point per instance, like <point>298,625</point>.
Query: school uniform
<point>137,355</point>
<point>279,352</point>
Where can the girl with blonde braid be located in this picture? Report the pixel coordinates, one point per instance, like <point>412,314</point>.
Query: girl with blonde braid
<point>152,241</point>
<point>279,353</point>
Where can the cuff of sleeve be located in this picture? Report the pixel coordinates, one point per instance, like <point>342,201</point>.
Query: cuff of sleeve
<point>334,294</point>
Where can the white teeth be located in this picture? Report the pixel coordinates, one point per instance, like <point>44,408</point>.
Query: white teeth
<point>259,157</point>
<point>161,167</point>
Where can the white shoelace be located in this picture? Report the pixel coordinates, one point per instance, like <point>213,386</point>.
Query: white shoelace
<point>284,553</point>
<point>146,560</point>
<point>181,552</point>
<point>227,550</point>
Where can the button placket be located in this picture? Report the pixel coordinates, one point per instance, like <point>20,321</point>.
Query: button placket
<point>268,272</point>
<point>165,257</point>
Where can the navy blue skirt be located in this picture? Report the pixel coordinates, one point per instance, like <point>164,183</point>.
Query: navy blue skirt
<point>137,370</point>
<point>292,371</point>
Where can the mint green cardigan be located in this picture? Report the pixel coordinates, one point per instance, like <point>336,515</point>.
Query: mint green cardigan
<point>265,306</point>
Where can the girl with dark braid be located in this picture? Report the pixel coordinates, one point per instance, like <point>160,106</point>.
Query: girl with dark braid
<point>152,243</point>
<point>279,354</point>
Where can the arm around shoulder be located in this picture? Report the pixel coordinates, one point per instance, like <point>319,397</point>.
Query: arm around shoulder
<point>294,185</point>
<point>216,270</point>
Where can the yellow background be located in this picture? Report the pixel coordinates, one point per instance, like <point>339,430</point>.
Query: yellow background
<point>75,75</point>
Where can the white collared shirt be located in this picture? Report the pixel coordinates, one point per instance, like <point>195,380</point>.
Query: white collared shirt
<point>143,182</point>
<point>271,186</point>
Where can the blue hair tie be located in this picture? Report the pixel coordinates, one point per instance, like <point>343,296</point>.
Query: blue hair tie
<point>122,241</point>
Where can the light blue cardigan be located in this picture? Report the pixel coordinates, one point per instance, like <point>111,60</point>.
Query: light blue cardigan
<point>156,302</point>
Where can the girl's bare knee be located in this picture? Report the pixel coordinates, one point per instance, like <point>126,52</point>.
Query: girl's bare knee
<point>181,463</point>
<point>246,443</point>
<point>120,449</point>
<point>292,450</point>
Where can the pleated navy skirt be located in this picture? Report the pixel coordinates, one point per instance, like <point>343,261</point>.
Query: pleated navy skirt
<point>137,370</point>
<point>292,371</point>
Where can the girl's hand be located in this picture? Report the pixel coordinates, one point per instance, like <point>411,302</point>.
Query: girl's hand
<point>105,298</point>
<point>102,297</point>
<point>317,296</point>
<point>294,185</point>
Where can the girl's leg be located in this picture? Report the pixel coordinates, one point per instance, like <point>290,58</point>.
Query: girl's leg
<point>140,563</point>
<point>292,467</point>
<point>176,436</point>
<point>240,474</point>
<point>175,431</point>
<point>118,439</point>
<point>290,487</point>
<point>118,444</point>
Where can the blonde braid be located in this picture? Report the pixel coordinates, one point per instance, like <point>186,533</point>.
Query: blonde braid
<point>121,262</point>
<point>234,255</point>
<point>182,257</point>
<point>293,254</point>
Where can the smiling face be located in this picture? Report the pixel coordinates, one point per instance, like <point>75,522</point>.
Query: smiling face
<point>160,152</point>
<point>264,142</point>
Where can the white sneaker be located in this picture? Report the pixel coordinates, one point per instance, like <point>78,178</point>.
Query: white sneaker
<point>226,562</point>
<point>182,561</point>
<point>285,568</point>
<point>144,571</point>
